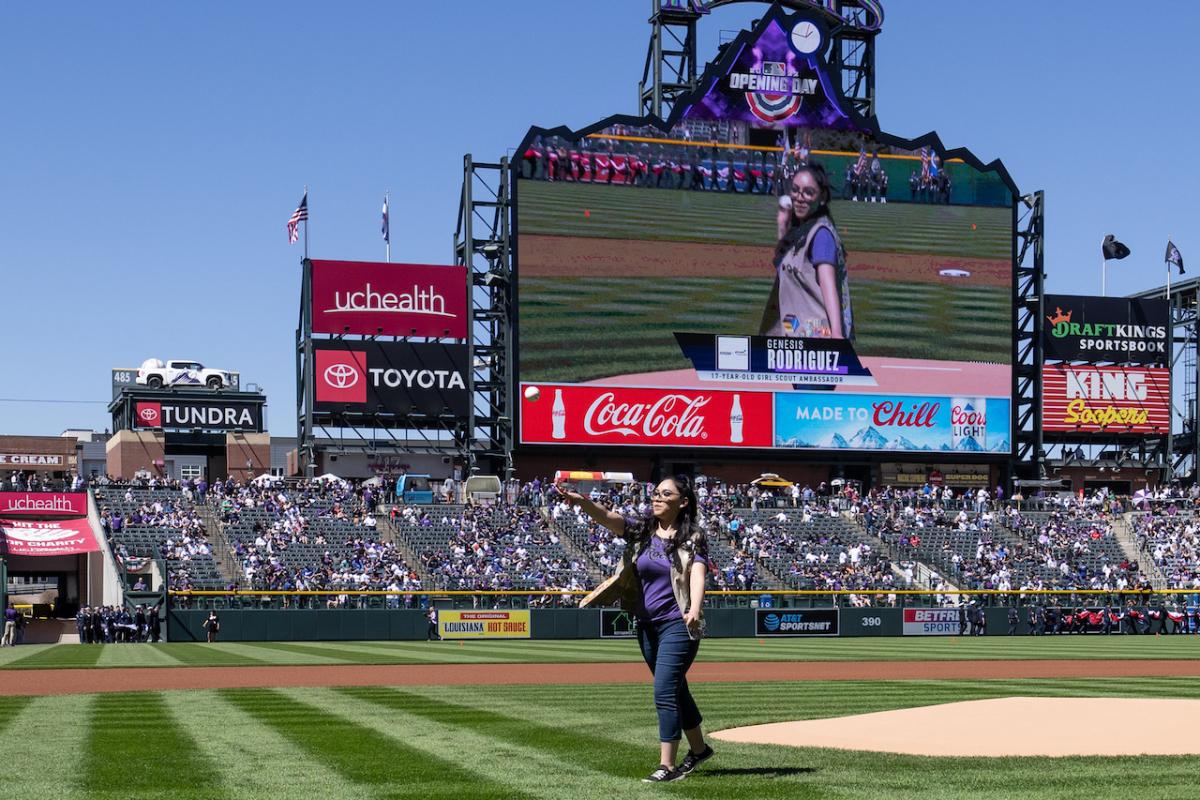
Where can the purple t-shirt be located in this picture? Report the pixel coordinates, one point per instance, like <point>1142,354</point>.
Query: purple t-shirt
<point>654,568</point>
<point>824,248</point>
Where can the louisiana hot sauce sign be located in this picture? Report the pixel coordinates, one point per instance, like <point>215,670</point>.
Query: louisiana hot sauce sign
<point>622,415</point>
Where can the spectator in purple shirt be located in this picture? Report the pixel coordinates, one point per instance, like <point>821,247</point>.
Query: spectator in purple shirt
<point>11,616</point>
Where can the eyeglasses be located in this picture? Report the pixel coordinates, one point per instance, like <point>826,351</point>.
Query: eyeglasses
<point>661,495</point>
<point>808,193</point>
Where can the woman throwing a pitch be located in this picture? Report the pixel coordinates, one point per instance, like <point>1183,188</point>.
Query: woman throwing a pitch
<point>661,579</point>
<point>811,297</point>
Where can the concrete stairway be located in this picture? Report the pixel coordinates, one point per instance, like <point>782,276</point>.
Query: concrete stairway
<point>222,553</point>
<point>1127,539</point>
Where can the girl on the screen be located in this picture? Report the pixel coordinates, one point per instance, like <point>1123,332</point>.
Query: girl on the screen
<point>811,296</point>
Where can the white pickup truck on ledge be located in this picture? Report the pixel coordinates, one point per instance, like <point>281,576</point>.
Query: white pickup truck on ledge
<point>156,374</point>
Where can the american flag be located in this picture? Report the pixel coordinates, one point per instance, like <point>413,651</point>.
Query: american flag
<point>387,233</point>
<point>300,214</point>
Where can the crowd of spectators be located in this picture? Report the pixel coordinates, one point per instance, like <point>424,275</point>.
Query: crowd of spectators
<point>314,535</point>
<point>181,533</point>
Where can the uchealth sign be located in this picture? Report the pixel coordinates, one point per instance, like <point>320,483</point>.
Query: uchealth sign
<point>1085,399</point>
<point>369,298</point>
<point>359,377</point>
<point>216,415</point>
<point>622,415</point>
<point>931,621</point>
<point>59,537</point>
<point>43,504</point>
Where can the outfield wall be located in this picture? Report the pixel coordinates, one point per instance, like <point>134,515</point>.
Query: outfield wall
<point>253,625</point>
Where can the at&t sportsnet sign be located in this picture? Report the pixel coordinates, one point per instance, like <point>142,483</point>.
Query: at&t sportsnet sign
<point>1105,329</point>
<point>930,621</point>
<point>806,622</point>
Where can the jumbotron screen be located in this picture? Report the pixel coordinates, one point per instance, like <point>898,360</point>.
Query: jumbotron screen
<point>767,272</point>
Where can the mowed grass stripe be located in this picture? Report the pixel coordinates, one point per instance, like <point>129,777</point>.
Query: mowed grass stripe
<point>61,656</point>
<point>253,757</point>
<point>382,766</point>
<point>523,738</point>
<point>134,740</point>
<point>11,708</point>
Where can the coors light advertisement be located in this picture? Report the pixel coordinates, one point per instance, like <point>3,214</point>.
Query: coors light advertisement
<point>622,415</point>
<point>899,423</point>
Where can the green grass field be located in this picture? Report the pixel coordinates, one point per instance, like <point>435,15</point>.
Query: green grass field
<point>622,212</point>
<point>948,648</point>
<point>561,741</point>
<point>579,330</point>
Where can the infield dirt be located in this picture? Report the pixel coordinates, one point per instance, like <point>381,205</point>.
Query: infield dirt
<point>85,681</point>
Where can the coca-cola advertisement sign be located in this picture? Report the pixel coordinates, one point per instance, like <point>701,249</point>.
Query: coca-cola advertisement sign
<point>43,504</point>
<point>622,415</point>
<point>898,423</point>
<point>374,299</point>
<point>46,537</point>
<point>1080,399</point>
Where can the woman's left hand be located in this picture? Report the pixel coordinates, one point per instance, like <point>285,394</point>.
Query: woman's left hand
<point>692,618</point>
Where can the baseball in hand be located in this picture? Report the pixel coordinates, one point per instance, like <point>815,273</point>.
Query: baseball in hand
<point>785,202</point>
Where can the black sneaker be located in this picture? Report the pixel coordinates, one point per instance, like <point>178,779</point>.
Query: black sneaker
<point>693,760</point>
<point>664,774</point>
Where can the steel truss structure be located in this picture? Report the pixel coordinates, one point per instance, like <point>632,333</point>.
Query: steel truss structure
<point>482,243</point>
<point>1029,255</point>
<point>671,62</point>
<point>1184,347</point>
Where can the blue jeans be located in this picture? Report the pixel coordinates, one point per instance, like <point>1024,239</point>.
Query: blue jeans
<point>669,651</point>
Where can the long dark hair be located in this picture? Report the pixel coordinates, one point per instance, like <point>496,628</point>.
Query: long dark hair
<point>689,533</point>
<point>797,230</point>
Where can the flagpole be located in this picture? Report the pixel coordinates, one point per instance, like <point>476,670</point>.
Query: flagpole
<point>306,222</point>
<point>1168,263</point>
<point>1103,271</point>
<point>388,240</point>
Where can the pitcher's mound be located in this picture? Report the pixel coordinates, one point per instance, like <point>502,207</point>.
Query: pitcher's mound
<point>1009,726</point>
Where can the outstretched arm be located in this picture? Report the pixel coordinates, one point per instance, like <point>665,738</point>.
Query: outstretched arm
<point>609,519</point>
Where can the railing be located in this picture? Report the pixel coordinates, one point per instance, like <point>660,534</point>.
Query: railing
<point>777,598</point>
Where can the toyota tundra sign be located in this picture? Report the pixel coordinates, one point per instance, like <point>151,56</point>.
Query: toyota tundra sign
<point>209,415</point>
<point>373,299</point>
<point>622,415</point>
<point>363,377</point>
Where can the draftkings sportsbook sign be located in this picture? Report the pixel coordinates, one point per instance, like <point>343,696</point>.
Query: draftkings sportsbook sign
<point>1113,329</point>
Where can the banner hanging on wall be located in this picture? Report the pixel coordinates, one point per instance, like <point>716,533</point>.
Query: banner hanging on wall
<point>58,537</point>
<point>454,624</point>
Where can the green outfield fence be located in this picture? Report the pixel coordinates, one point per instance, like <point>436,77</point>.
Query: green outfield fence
<point>755,598</point>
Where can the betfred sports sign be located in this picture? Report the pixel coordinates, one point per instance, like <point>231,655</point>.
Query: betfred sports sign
<point>47,537</point>
<point>43,504</point>
<point>931,621</point>
<point>1082,399</point>
<point>622,415</point>
<point>367,298</point>
<point>391,377</point>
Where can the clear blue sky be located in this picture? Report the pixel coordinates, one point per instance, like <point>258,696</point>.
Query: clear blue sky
<point>152,152</point>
